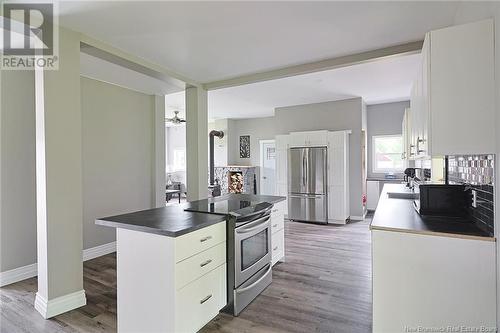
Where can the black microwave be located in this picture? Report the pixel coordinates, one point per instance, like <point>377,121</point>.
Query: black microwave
<point>441,199</point>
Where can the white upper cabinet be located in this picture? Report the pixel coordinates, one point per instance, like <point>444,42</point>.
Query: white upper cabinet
<point>406,131</point>
<point>281,161</point>
<point>452,99</point>
<point>312,138</point>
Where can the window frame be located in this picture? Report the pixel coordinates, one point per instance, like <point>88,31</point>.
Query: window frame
<point>374,154</point>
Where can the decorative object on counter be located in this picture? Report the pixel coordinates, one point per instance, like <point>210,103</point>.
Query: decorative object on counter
<point>245,146</point>
<point>236,179</point>
<point>477,171</point>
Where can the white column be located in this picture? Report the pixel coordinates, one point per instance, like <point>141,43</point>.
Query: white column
<point>159,162</point>
<point>196,143</point>
<point>59,182</point>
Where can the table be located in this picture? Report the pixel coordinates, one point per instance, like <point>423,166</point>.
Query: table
<point>173,191</point>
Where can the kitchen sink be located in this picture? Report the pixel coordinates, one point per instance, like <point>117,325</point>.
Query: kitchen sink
<point>402,195</point>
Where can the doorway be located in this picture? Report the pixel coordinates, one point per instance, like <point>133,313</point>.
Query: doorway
<point>267,167</point>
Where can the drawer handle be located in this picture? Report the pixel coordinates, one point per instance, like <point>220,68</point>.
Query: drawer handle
<point>275,225</point>
<point>275,248</point>
<point>206,299</point>
<point>203,264</point>
<point>205,239</point>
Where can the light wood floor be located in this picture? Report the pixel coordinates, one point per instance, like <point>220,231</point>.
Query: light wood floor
<point>324,286</point>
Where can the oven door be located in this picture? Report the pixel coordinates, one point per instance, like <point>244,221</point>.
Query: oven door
<point>252,247</point>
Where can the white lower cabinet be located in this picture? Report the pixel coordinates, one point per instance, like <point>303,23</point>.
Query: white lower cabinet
<point>200,301</point>
<point>278,246</point>
<point>278,232</point>
<point>372,194</point>
<point>198,265</point>
<point>170,284</point>
<point>428,281</point>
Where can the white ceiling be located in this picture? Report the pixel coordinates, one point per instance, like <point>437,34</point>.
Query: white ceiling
<point>381,81</point>
<point>209,41</point>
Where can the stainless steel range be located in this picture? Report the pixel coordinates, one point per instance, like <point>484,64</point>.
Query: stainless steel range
<point>248,247</point>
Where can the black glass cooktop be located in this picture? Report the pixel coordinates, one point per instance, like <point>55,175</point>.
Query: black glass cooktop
<point>234,207</point>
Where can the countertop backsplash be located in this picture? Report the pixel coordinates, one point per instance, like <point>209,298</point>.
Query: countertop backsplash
<point>477,171</point>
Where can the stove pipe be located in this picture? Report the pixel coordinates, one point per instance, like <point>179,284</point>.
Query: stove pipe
<point>211,135</point>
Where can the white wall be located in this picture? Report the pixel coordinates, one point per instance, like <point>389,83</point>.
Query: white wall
<point>117,155</point>
<point>383,119</point>
<point>17,170</point>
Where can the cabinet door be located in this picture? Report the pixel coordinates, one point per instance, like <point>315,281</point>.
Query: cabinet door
<point>298,139</point>
<point>405,134</point>
<point>282,141</point>
<point>423,139</point>
<point>312,138</point>
<point>413,120</point>
<point>337,208</point>
<point>281,165</point>
<point>462,91</point>
<point>317,138</point>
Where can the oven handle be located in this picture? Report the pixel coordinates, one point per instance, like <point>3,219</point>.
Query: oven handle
<point>253,225</point>
<point>260,212</point>
<point>239,291</point>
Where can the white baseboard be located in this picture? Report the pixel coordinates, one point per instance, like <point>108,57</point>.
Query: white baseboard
<point>58,305</point>
<point>29,271</point>
<point>358,218</point>
<point>18,274</point>
<point>99,251</point>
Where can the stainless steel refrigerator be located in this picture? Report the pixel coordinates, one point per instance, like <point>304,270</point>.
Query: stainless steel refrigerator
<point>307,184</point>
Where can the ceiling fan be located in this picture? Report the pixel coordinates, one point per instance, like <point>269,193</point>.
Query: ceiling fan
<point>176,120</point>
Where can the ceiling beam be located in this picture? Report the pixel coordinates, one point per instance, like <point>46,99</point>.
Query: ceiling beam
<point>109,53</point>
<point>318,66</point>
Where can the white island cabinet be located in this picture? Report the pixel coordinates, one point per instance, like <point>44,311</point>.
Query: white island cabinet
<point>170,284</point>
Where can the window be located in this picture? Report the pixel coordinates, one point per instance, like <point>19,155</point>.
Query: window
<point>386,153</point>
<point>179,160</point>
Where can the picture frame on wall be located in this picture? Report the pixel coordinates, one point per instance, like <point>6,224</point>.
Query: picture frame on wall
<point>245,146</point>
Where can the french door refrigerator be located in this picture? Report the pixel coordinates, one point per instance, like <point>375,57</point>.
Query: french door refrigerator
<point>307,184</point>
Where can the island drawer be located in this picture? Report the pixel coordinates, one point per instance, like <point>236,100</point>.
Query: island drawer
<point>200,301</point>
<point>277,223</point>
<point>200,240</point>
<point>198,265</point>
<point>279,208</point>
<point>278,246</point>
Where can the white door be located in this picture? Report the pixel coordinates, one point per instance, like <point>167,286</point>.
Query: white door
<point>267,167</point>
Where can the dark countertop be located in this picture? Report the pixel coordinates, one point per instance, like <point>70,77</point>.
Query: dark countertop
<point>251,197</point>
<point>376,179</point>
<point>173,221</point>
<point>399,215</point>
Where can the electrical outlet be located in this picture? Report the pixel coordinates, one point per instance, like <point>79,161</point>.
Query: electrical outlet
<point>474,198</point>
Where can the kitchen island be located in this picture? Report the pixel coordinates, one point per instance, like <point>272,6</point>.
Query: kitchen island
<point>429,272</point>
<point>172,266</point>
